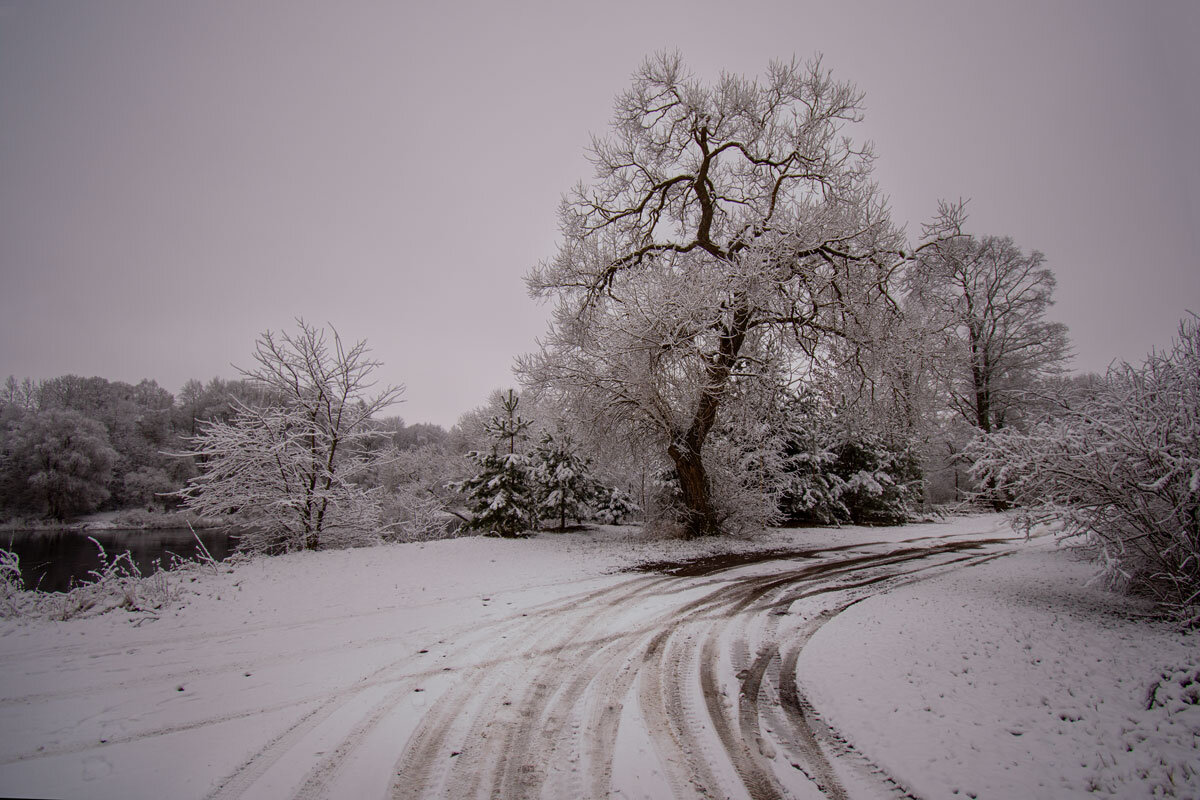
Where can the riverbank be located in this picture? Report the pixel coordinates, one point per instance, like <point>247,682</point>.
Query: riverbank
<point>128,519</point>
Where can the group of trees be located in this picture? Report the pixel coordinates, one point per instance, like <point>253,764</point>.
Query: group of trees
<point>741,334</point>
<point>733,262</point>
<point>69,445</point>
<point>73,445</point>
<point>732,295</point>
<point>513,490</point>
<point>737,317</point>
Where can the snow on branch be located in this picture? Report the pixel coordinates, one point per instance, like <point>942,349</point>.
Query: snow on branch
<point>286,470</point>
<point>1118,465</point>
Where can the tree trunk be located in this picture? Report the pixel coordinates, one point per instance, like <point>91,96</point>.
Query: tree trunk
<point>700,518</point>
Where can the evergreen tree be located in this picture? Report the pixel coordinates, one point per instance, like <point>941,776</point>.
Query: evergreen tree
<point>610,505</point>
<point>500,496</point>
<point>561,481</point>
<point>839,468</point>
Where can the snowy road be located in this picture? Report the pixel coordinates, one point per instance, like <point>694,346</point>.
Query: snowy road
<point>673,681</point>
<point>664,685</point>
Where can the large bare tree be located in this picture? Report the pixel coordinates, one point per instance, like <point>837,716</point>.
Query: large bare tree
<point>729,227</point>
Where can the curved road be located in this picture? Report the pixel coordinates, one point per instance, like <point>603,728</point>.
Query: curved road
<point>676,681</point>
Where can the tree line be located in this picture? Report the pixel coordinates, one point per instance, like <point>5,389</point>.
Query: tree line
<point>741,334</point>
<point>72,445</point>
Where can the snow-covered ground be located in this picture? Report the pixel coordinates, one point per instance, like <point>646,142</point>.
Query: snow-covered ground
<point>943,660</point>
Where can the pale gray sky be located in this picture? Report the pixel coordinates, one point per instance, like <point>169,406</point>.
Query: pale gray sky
<point>177,177</point>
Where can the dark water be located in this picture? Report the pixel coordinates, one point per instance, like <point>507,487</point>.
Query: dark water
<point>51,560</point>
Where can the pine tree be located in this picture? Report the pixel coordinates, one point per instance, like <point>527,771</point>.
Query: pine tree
<point>500,496</point>
<point>562,484</point>
<point>610,505</point>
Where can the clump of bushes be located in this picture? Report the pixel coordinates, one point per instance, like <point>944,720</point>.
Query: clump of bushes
<point>1117,466</point>
<point>837,476</point>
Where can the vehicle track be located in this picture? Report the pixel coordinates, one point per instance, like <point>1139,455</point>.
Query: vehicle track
<point>534,704</point>
<point>557,734</point>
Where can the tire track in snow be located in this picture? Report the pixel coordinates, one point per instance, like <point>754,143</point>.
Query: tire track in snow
<point>568,665</point>
<point>814,736</point>
<point>428,753</point>
<point>748,748</point>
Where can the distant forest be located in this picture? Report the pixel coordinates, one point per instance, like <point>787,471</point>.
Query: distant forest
<point>73,445</point>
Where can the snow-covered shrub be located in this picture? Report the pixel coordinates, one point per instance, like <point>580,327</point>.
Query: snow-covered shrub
<point>812,492</point>
<point>415,507</point>
<point>877,482</point>
<point>836,475</point>
<point>1118,467</point>
<point>744,473</point>
<point>12,587</point>
<point>665,508</point>
<point>611,505</point>
<point>117,584</point>
<point>415,515</point>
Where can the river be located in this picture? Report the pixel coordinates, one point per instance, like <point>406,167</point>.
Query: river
<point>51,560</point>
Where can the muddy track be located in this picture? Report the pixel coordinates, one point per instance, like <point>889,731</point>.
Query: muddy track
<point>711,669</point>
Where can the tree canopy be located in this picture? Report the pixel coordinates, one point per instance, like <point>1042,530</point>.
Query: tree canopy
<point>730,231</point>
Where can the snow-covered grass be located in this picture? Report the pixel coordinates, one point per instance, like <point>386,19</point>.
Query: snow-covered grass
<point>1015,678</point>
<point>118,582</point>
<point>1010,679</point>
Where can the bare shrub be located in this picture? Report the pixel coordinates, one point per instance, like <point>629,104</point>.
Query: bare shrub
<point>418,515</point>
<point>118,583</point>
<point>1118,466</point>
<point>12,588</point>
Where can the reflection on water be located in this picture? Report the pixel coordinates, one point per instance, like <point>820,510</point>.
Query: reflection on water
<point>51,560</point>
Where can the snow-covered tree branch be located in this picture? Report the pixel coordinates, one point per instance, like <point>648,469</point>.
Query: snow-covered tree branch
<point>1119,465</point>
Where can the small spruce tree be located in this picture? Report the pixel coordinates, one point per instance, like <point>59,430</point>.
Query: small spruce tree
<point>500,496</point>
<point>610,505</point>
<point>561,481</point>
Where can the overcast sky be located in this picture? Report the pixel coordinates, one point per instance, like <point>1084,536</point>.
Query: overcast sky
<point>176,178</point>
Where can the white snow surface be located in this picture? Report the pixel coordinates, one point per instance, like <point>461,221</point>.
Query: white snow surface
<point>537,667</point>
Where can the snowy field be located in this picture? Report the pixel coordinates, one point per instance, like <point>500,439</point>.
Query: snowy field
<point>942,660</point>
